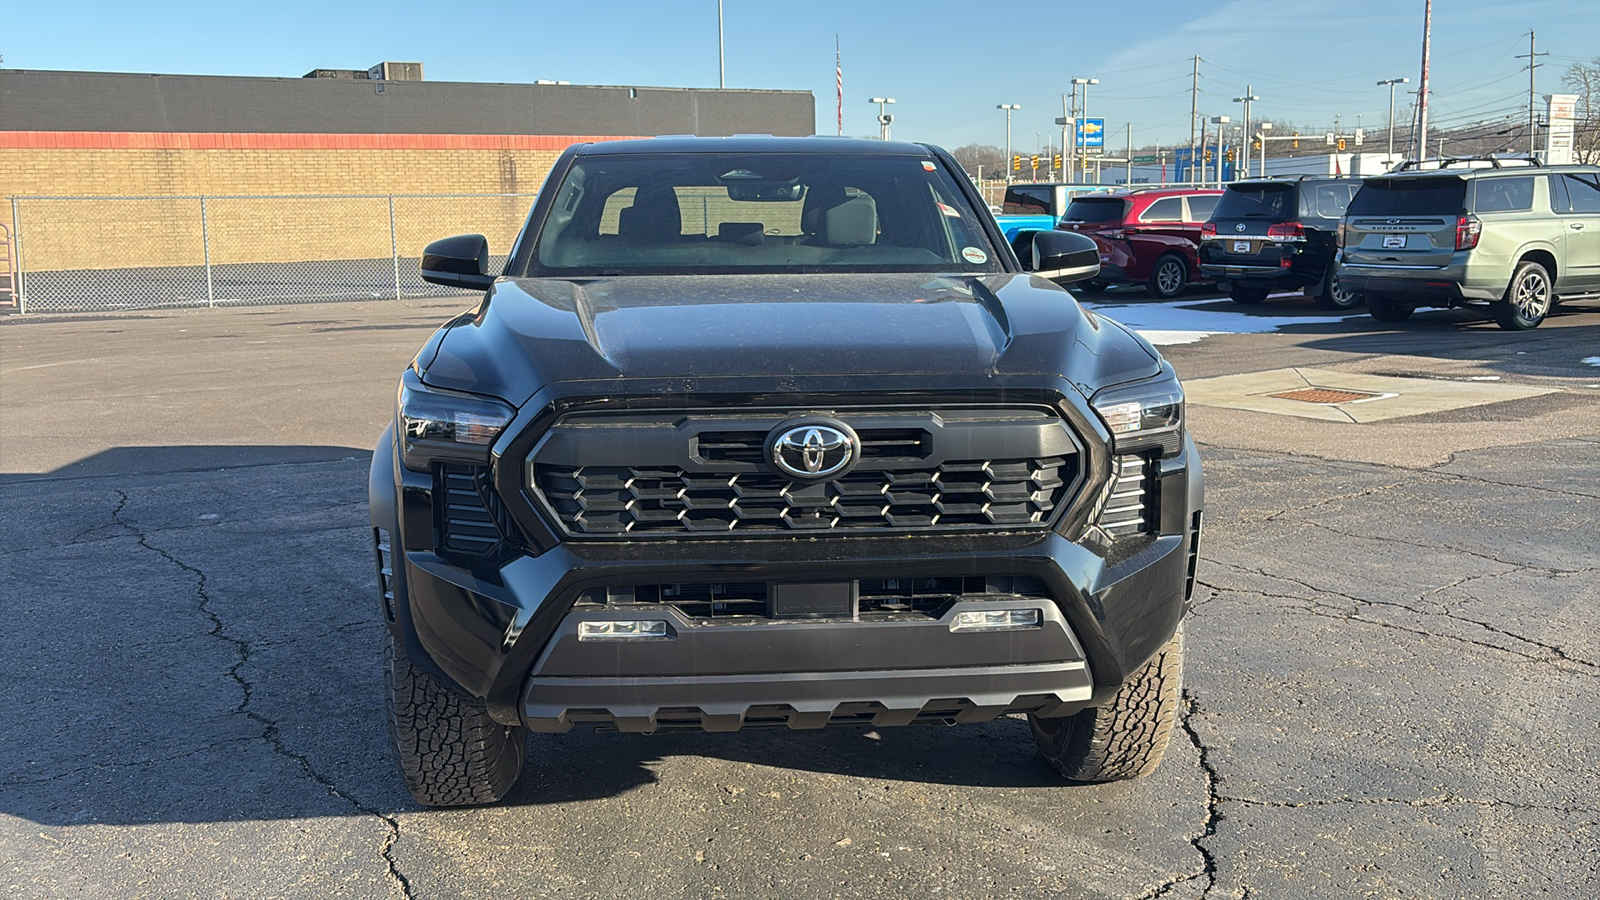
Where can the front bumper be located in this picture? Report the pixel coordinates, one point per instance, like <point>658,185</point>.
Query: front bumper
<point>506,631</point>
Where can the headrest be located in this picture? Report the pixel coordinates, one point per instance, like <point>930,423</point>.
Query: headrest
<point>654,215</point>
<point>851,223</point>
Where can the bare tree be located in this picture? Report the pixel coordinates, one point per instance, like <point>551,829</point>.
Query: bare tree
<point>1584,80</point>
<point>971,156</point>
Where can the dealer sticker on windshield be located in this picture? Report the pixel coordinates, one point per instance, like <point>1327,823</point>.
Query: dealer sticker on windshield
<point>974,255</point>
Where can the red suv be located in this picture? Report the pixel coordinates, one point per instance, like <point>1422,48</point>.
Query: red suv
<point>1148,236</point>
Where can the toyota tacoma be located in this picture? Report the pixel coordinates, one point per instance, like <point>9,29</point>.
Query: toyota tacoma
<point>762,431</point>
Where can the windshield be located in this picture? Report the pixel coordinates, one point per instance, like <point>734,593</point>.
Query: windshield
<point>1409,196</point>
<point>749,213</point>
<point>1095,210</point>
<point>1257,201</point>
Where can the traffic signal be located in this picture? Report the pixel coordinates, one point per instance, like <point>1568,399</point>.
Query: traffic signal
<point>1016,163</point>
<point>1228,155</point>
<point>1341,143</point>
<point>1208,154</point>
<point>1296,144</point>
<point>1255,145</point>
<point>1057,161</point>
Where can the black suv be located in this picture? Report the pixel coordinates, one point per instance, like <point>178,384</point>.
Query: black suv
<point>1277,234</point>
<point>778,432</point>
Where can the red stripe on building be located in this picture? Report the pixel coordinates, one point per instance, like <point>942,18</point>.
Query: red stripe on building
<point>181,140</point>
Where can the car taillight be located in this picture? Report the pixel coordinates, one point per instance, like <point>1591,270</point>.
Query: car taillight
<point>1209,229</point>
<point>1468,230</point>
<point>1287,231</point>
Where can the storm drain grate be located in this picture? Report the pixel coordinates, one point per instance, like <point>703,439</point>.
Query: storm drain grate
<point>1324,396</point>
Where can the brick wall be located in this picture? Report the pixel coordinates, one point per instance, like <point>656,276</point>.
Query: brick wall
<point>80,234</point>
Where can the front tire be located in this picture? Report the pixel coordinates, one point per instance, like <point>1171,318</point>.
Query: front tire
<point>1168,277</point>
<point>450,752</point>
<point>1528,299</point>
<point>1330,294</point>
<point>1125,739</point>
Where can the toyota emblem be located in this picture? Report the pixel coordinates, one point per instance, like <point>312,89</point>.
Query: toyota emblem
<point>1239,228</point>
<point>813,450</point>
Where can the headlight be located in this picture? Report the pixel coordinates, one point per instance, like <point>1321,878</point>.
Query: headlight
<point>447,425</point>
<point>1144,414</point>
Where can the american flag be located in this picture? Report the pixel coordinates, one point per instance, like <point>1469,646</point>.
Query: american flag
<point>838,77</point>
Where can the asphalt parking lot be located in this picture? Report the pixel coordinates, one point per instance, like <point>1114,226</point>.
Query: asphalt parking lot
<point>1392,686</point>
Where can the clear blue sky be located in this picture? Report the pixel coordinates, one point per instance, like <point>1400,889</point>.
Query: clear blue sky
<point>947,64</point>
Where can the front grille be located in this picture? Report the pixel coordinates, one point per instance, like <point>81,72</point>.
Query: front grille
<point>617,499</point>
<point>472,520</point>
<point>1130,507</point>
<point>670,475</point>
<point>878,597</point>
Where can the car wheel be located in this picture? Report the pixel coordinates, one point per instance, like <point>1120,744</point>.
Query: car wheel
<point>1528,299</point>
<point>1168,279</point>
<point>1093,287</point>
<point>1388,309</point>
<point>1248,296</point>
<point>1126,738</point>
<point>1332,295</point>
<point>450,752</point>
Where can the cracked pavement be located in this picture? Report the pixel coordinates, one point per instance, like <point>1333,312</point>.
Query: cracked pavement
<point>1392,674</point>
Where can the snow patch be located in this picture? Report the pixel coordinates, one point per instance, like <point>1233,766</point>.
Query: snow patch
<point>1592,361</point>
<point>1190,321</point>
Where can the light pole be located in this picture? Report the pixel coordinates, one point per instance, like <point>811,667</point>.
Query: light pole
<point>1247,99</point>
<point>1008,107</point>
<point>1219,121</point>
<point>1079,113</point>
<point>1391,82</point>
<point>722,66</point>
<point>1261,165</point>
<point>883,118</point>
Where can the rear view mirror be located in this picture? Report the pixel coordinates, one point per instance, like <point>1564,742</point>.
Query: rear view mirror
<point>1064,257</point>
<point>766,192</point>
<point>461,261</point>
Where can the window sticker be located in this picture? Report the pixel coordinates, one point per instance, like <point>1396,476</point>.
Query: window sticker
<point>927,166</point>
<point>949,210</point>
<point>974,255</point>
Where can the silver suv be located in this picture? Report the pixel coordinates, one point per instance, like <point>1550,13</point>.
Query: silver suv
<point>1515,237</point>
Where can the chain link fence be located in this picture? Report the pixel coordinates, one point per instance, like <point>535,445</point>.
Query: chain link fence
<point>130,253</point>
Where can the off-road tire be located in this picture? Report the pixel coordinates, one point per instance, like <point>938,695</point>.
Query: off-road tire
<point>1388,309</point>
<point>1248,296</point>
<point>1126,738</point>
<point>1528,299</point>
<point>450,752</point>
<point>1328,295</point>
<point>1168,278</point>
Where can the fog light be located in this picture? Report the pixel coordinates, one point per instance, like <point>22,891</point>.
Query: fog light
<point>996,620</point>
<point>622,630</point>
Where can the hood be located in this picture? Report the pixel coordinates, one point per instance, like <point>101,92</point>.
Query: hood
<point>532,332</point>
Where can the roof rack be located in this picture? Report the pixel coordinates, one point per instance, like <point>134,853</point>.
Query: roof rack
<point>1446,162</point>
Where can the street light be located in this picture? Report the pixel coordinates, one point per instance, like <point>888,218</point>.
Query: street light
<point>1079,113</point>
<point>1219,121</point>
<point>1248,97</point>
<point>1391,82</point>
<point>1261,164</point>
<point>1008,107</point>
<point>883,118</point>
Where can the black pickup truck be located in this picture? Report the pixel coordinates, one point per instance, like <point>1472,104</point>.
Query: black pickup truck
<point>778,432</point>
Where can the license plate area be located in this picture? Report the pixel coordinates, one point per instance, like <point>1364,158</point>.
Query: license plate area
<point>1394,242</point>
<point>814,600</point>
<point>1243,247</point>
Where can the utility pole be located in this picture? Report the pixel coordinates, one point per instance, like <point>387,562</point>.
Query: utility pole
<point>1533,120</point>
<point>722,67</point>
<point>1422,89</point>
<point>1066,122</point>
<point>1194,112</point>
<point>1391,82</point>
<point>1129,157</point>
<point>1249,95</point>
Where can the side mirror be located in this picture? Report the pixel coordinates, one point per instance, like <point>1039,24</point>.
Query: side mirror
<point>1064,257</point>
<point>461,261</point>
